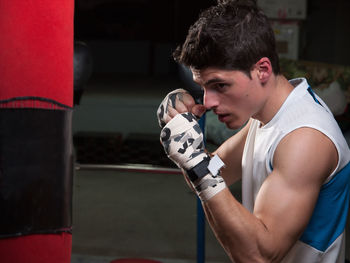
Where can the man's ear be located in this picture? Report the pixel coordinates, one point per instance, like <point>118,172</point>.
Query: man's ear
<point>264,69</point>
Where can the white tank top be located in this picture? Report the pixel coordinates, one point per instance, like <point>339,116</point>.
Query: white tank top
<point>323,240</point>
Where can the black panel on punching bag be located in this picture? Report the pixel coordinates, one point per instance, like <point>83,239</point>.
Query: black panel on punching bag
<point>36,167</point>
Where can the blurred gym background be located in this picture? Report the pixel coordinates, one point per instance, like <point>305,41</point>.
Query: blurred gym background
<point>130,201</point>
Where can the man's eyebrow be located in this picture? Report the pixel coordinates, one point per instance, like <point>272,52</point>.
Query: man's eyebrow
<point>214,80</point>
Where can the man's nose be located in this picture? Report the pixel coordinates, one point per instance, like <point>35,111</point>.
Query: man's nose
<point>210,100</point>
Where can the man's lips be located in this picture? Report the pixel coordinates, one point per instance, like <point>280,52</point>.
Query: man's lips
<point>223,117</point>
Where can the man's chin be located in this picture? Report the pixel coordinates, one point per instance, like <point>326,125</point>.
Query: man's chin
<point>235,125</point>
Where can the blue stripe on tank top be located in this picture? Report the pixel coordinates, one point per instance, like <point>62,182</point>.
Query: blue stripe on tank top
<point>270,164</point>
<point>313,95</point>
<point>329,217</point>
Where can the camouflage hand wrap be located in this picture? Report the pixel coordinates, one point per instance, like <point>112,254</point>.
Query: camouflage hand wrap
<point>182,139</point>
<point>169,100</point>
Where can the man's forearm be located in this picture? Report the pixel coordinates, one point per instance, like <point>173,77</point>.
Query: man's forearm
<point>244,237</point>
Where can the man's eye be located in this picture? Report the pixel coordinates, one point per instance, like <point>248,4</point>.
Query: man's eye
<point>221,85</point>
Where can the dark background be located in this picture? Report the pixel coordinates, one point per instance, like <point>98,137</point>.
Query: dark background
<point>324,35</point>
<point>137,37</point>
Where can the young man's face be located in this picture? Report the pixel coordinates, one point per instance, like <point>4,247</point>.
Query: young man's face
<point>232,95</point>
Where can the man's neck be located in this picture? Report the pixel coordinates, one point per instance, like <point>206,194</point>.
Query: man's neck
<point>278,90</point>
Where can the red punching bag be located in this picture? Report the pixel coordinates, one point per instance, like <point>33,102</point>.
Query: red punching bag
<point>36,97</point>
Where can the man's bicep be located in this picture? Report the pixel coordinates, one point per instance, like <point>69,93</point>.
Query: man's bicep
<point>286,200</point>
<point>284,210</point>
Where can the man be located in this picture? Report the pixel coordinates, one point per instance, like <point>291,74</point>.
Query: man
<point>290,154</point>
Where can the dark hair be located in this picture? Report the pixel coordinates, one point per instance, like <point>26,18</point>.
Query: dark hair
<point>233,35</point>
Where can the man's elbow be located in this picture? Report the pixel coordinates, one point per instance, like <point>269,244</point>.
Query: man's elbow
<point>255,254</point>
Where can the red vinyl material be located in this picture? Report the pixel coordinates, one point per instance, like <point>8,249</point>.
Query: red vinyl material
<point>36,60</point>
<point>49,248</point>
<point>36,49</point>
